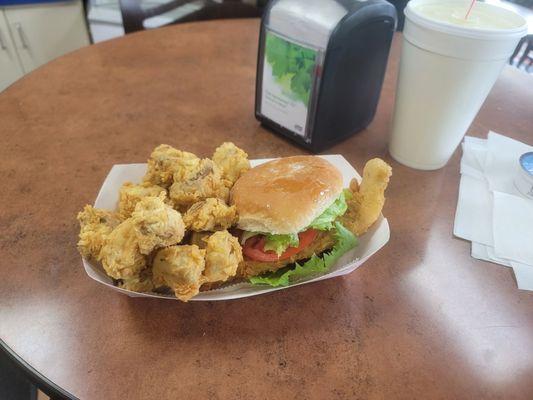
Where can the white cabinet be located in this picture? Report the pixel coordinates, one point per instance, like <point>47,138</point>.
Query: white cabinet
<point>10,67</point>
<point>39,33</point>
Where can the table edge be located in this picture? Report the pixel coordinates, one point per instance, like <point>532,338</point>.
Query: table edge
<point>53,390</point>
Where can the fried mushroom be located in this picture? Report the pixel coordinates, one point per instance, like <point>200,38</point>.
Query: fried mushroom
<point>179,268</point>
<point>120,254</point>
<point>223,256</point>
<point>210,215</point>
<point>198,184</point>
<point>158,224</point>
<point>95,226</point>
<point>141,283</point>
<point>130,194</point>
<point>166,161</point>
<point>153,224</point>
<point>232,160</point>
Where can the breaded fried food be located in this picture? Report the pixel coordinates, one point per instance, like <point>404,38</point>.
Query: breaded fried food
<point>157,224</point>
<point>210,215</point>
<point>153,224</point>
<point>199,183</point>
<point>130,194</point>
<point>222,258</point>
<point>120,254</point>
<point>324,241</point>
<point>199,238</point>
<point>165,162</point>
<point>368,198</point>
<point>179,268</point>
<point>232,160</point>
<point>286,211</point>
<point>140,283</point>
<point>95,226</point>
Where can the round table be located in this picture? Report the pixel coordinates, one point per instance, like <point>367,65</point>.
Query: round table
<point>420,319</point>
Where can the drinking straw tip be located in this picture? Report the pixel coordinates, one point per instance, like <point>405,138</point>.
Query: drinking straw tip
<point>470,8</point>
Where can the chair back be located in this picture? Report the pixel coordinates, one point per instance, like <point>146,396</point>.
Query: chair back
<point>133,14</point>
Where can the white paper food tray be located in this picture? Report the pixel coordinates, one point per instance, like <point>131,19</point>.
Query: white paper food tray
<point>369,243</point>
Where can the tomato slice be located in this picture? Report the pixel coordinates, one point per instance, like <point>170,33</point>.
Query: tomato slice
<point>254,247</point>
<point>306,238</point>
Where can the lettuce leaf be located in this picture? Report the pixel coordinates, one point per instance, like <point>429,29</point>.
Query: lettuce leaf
<point>325,220</point>
<point>279,243</point>
<point>345,241</point>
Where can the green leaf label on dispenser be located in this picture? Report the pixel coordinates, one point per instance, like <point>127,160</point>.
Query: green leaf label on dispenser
<point>288,77</point>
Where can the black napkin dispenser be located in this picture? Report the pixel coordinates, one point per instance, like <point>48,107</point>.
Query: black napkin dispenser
<point>320,68</point>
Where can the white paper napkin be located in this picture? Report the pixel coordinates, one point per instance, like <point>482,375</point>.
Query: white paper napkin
<point>473,217</point>
<point>524,275</point>
<point>474,157</point>
<point>502,162</point>
<point>490,211</point>
<point>513,227</point>
<point>486,253</point>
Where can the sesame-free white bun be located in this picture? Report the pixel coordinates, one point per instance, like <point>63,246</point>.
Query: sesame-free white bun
<point>285,195</point>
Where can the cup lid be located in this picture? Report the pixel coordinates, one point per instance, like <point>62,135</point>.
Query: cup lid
<point>518,28</point>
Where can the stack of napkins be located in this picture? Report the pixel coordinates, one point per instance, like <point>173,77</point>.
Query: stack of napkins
<point>491,212</point>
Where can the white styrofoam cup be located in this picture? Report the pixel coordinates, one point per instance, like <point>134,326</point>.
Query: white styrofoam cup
<point>446,72</point>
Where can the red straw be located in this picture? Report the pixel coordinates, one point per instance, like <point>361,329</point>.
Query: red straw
<point>470,8</point>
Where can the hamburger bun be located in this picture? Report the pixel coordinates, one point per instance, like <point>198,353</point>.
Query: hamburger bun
<point>285,195</point>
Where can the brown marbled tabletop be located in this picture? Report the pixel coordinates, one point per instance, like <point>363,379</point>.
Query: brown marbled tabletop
<point>420,319</point>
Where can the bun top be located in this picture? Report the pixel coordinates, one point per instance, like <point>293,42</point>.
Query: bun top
<point>285,195</point>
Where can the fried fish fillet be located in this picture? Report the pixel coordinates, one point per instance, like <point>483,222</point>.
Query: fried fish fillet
<point>324,241</point>
<point>368,198</point>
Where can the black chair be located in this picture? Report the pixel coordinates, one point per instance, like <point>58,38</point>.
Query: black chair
<point>134,13</point>
<point>400,5</point>
<point>523,53</point>
<point>523,3</point>
<point>13,384</point>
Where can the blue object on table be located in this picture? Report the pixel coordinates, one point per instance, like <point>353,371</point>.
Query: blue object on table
<point>523,180</point>
<point>526,162</point>
<point>26,2</point>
